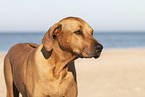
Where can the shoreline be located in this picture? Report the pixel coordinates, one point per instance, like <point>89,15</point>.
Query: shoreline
<point>117,73</point>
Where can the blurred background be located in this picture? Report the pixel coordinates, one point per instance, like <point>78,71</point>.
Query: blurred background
<point>116,23</point>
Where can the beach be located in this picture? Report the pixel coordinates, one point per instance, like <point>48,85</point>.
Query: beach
<point>117,73</point>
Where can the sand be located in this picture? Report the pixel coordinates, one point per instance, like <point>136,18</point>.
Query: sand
<point>117,73</point>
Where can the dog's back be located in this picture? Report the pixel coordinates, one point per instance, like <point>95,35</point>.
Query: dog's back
<point>14,65</point>
<point>19,52</point>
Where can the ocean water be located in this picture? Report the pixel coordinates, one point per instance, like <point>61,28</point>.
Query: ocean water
<point>108,40</point>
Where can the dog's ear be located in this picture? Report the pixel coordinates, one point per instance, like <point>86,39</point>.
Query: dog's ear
<point>49,36</point>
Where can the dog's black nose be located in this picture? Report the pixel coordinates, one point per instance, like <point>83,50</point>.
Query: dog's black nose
<point>98,47</point>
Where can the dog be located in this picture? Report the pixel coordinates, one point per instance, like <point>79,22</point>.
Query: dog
<point>48,70</point>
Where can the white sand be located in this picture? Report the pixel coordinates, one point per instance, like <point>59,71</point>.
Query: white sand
<point>117,73</point>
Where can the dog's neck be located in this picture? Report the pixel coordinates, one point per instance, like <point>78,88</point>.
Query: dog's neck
<point>58,59</point>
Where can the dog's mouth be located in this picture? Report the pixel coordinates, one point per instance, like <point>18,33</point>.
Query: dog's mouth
<point>88,54</point>
<point>97,55</point>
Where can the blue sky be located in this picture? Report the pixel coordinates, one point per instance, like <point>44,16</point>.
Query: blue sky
<point>102,15</point>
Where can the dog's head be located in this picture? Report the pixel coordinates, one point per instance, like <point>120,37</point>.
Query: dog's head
<point>73,35</point>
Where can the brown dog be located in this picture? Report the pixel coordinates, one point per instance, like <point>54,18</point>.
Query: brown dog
<point>48,70</point>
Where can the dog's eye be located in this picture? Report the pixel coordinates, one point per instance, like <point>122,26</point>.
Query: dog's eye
<point>78,32</point>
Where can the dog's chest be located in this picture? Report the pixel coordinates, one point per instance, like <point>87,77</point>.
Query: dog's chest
<point>58,88</point>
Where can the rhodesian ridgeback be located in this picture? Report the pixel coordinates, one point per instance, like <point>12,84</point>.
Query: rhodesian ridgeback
<point>47,70</point>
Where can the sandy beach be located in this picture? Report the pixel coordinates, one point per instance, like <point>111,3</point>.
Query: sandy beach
<point>117,73</point>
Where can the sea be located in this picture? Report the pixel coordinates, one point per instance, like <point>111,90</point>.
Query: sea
<point>109,40</point>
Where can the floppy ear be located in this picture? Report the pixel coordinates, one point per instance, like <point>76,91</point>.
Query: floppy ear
<point>49,36</point>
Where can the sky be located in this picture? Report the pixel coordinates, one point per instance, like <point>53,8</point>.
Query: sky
<point>101,15</point>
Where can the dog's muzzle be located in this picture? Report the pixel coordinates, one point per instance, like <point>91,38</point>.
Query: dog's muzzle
<point>95,51</point>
